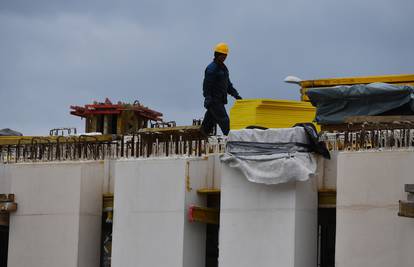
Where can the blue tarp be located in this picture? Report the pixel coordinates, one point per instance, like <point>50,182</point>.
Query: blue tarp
<point>334,104</point>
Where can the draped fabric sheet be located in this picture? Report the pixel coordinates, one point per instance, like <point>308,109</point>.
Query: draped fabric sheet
<point>271,156</point>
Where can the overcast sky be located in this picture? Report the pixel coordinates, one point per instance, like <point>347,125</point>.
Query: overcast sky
<point>54,54</point>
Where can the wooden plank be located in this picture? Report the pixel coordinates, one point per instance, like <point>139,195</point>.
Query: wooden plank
<point>170,129</point>
<point>379,119</point>
<point>344,127</point>
<point>327,198</point>
<point>8,206</point>
<point>208,191</point>
<point>406,209</point>
<point>6,197</point>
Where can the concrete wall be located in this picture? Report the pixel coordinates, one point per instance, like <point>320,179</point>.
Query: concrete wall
<point>151,227</point>
<point>58,221</point>
<point>267,226</point>
<point>327,172</point>
<point>5,182</point>
<point>369,232</point>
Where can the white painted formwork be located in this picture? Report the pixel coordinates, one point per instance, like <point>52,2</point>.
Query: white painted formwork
<point>267,225</point>
<point>152,196</point>
<point>369,232</point>
<point>58,220</point>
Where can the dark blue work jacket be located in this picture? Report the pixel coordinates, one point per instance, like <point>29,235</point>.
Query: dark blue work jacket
<point>217,85</point>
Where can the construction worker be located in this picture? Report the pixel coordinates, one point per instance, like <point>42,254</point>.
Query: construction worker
<point>216,86</point>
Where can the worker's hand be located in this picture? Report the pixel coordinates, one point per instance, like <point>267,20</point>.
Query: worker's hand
<point>238,97</point>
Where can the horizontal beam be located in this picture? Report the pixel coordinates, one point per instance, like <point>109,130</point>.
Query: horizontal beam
<point>379,119</point>
<point>327,198</point>
<point>406,209</point>
<point>6,197</point>
<point>171,129</point>
<point>8,206</point>
<point>204,215</point>
<point>345,127</point>
<point>208,191</point>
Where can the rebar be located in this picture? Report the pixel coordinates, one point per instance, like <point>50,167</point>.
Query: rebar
<point>137,145</point>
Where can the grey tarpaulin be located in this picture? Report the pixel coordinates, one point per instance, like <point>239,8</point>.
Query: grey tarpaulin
<point>334,104</point>
<point>270,156</point>
<point>9,132</point>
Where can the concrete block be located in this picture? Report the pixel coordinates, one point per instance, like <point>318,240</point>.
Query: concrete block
<point>327,171</point>
<point>46,188</point>
<point>369,231</point>
<point>150,218</point>
<point>5,181</point>
<point>42,240</point>
<point>267,225</point>
<point>89,234</point>
<point>58,220</point>
<point>109,176</point>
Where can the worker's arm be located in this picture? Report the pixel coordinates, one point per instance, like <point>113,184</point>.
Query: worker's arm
<point>208,86</point>
<point>232,91</point>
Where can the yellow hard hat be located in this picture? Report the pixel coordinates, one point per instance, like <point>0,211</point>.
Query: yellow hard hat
<point>222,48</point>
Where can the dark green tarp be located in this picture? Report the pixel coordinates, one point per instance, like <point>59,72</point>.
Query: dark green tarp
<point>334,104</point>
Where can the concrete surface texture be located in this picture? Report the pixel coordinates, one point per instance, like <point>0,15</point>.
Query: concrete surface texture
<point>267,225</point>
<point>327,172</point>
<point>5,182</point>
<point>150,220</point>
<point>369,231</point>
<point>58,219</point>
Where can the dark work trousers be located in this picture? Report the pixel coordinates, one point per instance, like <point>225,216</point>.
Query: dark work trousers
<point>216,114</point>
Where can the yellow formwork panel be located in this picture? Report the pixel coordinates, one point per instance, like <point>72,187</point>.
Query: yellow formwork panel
<point>270,113</point>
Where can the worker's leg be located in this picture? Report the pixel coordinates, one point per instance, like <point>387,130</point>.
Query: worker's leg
<point>208,123</point>
<point>219,113</point>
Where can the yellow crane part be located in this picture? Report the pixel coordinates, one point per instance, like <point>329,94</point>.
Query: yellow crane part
<point>270,113</point>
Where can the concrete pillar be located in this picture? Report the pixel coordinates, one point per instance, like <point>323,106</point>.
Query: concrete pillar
<point>151,227</point>
<point>369,232</point>
<point>267,225</point>
<point>58,220</point>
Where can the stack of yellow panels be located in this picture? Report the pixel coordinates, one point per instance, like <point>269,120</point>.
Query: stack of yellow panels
<point>270,113</point>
